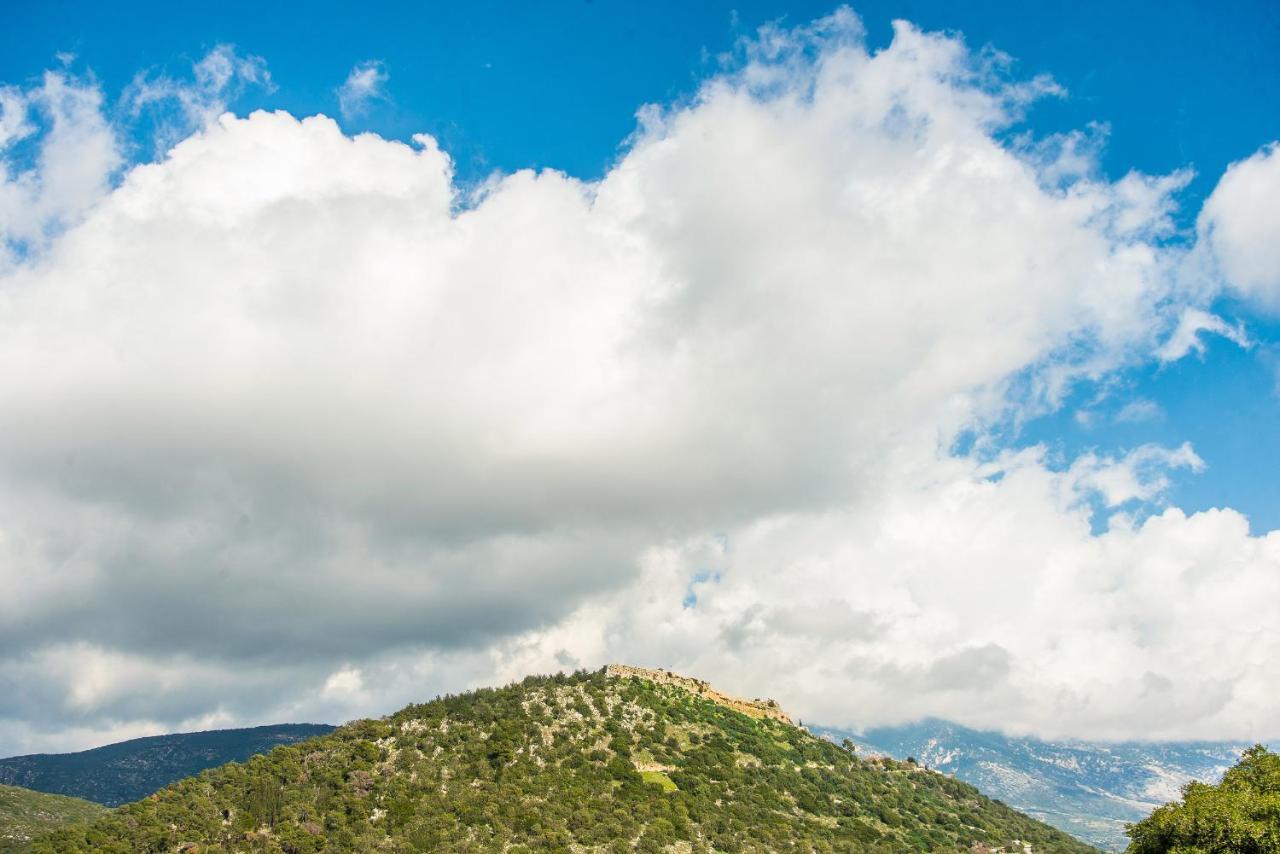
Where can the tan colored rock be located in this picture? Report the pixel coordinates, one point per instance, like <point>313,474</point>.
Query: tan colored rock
<point>765,708</point>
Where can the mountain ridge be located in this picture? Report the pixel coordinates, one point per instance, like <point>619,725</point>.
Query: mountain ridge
<point>1089,789</point>
<point>124,771</point>
<point>582,762</point>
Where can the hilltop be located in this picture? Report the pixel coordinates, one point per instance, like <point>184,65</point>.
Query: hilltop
<point>605,761</point>
<point>25,814</point>
<point>751,708</point>
<point>129,770</point>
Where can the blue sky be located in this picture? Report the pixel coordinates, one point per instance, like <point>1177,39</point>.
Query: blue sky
<point>301,422</point>
<point>511,85</point>
<point>505,86</point>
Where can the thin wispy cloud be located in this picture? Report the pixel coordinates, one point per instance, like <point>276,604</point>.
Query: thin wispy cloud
<point>1139,411</point>
<point>219,77</point>
<point>1188,335</point>
<point>364,85</point>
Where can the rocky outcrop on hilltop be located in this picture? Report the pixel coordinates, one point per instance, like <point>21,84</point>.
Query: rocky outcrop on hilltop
<point>759,708</point>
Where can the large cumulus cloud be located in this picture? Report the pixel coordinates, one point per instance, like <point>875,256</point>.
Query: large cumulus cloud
<point>295,427</point>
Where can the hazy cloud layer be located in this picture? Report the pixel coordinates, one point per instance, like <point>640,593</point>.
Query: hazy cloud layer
<point>295,430</point>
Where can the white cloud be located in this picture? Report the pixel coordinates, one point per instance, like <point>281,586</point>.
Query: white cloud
<point>1238,224</point>
<point>1086,418</point>
<point>1185,337</point>
<point>992,603</point>
<point>14,123</point>
<point>1141,474</point>
<point>365,83</point>
<point>1138,411</point>
<point>279,408</point>
<point>76,156</point>
<point>345,688</point>
<point>217,79</point>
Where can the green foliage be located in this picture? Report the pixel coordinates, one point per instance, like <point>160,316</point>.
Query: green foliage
<point>1241,814</point>
<point>25,814</point>
<point>658,778</point>
<point>550,764</point>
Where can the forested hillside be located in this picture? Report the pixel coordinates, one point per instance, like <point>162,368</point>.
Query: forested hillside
<point>582,762</point>
<point>25,814</point>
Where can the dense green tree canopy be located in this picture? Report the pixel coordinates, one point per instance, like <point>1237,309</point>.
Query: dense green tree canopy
<point>1241,815</point>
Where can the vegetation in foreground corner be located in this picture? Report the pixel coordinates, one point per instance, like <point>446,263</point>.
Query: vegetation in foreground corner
<point>1240,815</point>
<point>25,814</point>
<point>565,763</point>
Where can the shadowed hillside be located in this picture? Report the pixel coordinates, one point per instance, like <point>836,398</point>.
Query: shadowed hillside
<point>123,772</point>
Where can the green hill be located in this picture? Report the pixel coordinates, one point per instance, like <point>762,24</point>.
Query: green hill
<point>25,814</point>
<point>584,762</point>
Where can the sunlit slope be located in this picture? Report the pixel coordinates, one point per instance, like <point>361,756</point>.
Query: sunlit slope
<point>582,762</point>
<point>25,814</point>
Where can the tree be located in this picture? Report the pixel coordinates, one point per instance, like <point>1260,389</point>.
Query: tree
<point>1241,814</point>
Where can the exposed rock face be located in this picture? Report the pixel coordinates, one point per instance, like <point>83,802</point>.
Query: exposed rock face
<point>752,708</point>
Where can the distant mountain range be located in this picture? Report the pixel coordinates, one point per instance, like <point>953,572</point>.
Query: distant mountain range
<point>1088,789</point>
<point>123,772</point>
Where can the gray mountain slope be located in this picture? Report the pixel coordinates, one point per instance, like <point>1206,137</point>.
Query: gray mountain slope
<point>128,770</point>
<point>1088,789</point>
